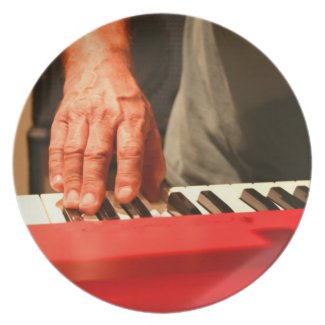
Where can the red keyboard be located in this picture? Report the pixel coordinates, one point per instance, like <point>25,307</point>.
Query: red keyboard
<point>166,264</point>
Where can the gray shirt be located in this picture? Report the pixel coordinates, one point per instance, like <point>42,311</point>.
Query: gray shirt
<point>235,118</point>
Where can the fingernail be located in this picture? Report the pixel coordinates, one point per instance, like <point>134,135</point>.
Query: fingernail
<point>125,191</point>
<point>72,197</point>
<point>57,180</point>
<point>88,199</point>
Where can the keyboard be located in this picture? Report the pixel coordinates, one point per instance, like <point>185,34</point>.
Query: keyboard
<point>197,246</point>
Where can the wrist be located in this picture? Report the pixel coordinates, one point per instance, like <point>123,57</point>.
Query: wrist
<point>104,50</point>
<point>87,71</point>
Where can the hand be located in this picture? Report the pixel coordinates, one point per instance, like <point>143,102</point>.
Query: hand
<point>103,109</point>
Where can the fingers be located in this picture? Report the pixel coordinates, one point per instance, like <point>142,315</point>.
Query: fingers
<point>74,148</point>
<point>81,149</point>
<point>130,148</point>
<point>140,161</point>
<point>59,133</point>
<point>154,167</point>
<point>97,158</point>
<point>78,161</point>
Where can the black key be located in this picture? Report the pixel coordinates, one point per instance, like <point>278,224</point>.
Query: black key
<point>72,215</point>
<point>178,204</point>
<point>284,199</point>
<point>257,201</point>
<point>106,211</point>
<point>301,192</point>
<point>136,209</point>
<point>213,203</point>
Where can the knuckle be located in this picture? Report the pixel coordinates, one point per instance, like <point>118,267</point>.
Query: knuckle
<point>60,116</point>
<point>94,181</point>
<point>54,150</point>
<point>76,114</point>
<point>60,113</point>
<point>133,179</point>
<point>108,116</point>
<point>56,129</point>
<point>74,147</point>
<point>136,115</point>
<point>96,154</point>
<point>136,120</point>
<point>55,163</point>
<point>138,125</point>
<point>72,178</point>
<point>130,149</point>
<point>75,108</point>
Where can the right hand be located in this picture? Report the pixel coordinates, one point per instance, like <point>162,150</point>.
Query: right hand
<point>101,110</point>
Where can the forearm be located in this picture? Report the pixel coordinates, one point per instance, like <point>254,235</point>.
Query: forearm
<point>105,51</point>
<point>103,108</point>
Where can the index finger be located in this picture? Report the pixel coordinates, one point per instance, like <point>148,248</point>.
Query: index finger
<point>59,131</point>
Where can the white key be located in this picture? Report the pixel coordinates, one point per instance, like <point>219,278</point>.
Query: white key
<point>167,190</point>
<point>303,183</point>
<point>263,188</point>
<point>32,210</point>
<point>157,209</point>
<point>89,217</point>
<point>117,207</point>
<point>53,205</point>
<point>230,194</point>
<point>192,193</point>
<point>289,186</point>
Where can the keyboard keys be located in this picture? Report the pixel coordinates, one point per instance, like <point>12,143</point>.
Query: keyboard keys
<point>53,206</point>
<point>58,214</point>
<point>301,192</point>
<point>72,215</point>
<point>213,203</point>
<point>32,210</point>
<point>230,195</point>
<point>290,186</point>
<point>189,200</point>
<point>106,211</point>
<point>89,217</point>
<point>262,188</point>
<point>256,200</point>
<point>178,204</point>
<point>157,209</point>
<point>191,193</point>
<point>284,199</point>
<point>136,209</point>
<point>122,214</point>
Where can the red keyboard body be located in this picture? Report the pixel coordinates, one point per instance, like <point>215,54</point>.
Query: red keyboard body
<point>167,264</point>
